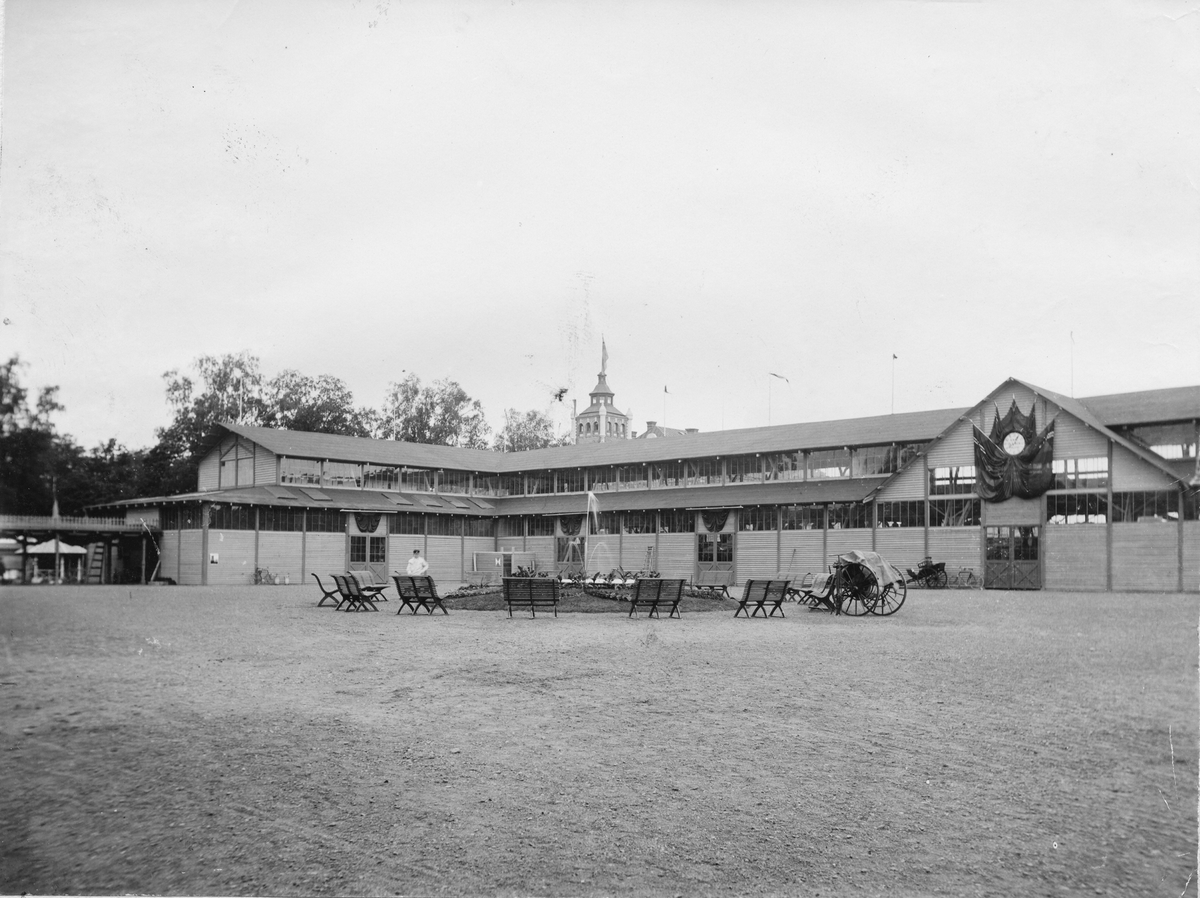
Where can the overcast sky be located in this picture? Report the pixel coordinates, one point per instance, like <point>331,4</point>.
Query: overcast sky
<point>481,191</point>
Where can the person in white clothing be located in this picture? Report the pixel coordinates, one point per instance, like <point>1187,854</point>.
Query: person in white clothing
<point>417,566</point>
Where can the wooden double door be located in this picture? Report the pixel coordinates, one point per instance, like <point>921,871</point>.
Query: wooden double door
<point>714,559</point>
<point>1013,557</point>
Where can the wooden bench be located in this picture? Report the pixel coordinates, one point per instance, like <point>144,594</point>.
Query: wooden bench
<point>653,593</point>
<point>532,593</point>
<point>416,593</point>
<point>759,594</point>
<point>352,595</point>
<point>331,595</point>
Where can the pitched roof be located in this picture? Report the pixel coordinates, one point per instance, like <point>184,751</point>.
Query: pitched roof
<point>1145,406</point>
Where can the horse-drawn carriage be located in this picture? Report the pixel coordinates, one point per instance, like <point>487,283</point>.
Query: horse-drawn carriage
<point>929,574</point>
<point>857,583</point>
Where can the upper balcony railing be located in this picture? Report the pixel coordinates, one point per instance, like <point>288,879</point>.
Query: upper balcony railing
<point>17,523</point>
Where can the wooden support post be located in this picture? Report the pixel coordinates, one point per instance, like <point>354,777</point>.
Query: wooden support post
<point>143,559</point>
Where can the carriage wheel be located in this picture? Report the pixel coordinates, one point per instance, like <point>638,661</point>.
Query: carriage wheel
<point>857,590</point>
<point>940,580</point>
<point>891,597</point>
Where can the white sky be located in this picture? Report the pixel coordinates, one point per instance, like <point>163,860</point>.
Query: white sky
<point>481,190</point>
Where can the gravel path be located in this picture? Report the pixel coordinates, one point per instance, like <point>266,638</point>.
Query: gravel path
<point>242,741</point>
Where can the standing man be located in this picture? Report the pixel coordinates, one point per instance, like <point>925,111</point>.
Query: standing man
<point>417,566</point>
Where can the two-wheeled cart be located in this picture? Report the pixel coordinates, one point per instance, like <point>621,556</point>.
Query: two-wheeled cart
<point>857,583</point>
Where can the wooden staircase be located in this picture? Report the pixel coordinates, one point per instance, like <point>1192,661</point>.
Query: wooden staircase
<point>95,563</point>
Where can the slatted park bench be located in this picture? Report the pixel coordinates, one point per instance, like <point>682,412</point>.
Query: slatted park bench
<point>759,595</point>
<point>654,593</point>
<point>416,593</point>
<point>532,593</point>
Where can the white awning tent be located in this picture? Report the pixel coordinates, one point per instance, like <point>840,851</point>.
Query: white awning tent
<point>48,548</point>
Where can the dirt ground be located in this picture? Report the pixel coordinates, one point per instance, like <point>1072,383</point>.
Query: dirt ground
<point>207,741</point>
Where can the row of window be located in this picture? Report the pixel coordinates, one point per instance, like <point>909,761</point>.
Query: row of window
<point>769,467</point>
<point>1137,506</point>
<point>1069,474</point>
<point>1066,508</point>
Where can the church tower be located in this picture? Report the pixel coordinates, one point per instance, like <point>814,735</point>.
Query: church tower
<point>601,421</point>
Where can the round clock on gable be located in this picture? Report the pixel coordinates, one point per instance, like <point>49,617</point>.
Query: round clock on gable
<point>1014,444</point>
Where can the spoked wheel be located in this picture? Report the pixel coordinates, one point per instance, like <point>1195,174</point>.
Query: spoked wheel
<point>940,581</point>
<point>858,590</point>
<point>891,597</point>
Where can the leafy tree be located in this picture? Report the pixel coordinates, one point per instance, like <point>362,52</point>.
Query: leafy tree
<point>531,430</point>
<point>107,473</point>
<point>441,413</point>
<point>27,444</point>
<point>322,404</point>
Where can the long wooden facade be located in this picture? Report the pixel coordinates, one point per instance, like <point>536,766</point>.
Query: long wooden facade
<point>722,507</point>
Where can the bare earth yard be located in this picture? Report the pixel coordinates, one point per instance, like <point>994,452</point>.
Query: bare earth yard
<point>243,741</point>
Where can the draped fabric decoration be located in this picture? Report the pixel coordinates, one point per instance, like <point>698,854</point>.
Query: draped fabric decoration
<point>1014,460</point>
<point>366,523</point>
<point>714,521</point>
<point>570,524</point>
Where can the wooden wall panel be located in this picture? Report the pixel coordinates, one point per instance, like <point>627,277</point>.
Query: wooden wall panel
<point>1146,557</point>
<point>168,555</point>
<point>1013,511</point>
<point>1002,401</point>
<point>957,448</point>
<point>210,471</point>
<point>801,552</point>
<point>1191,556</point>
<point>542,548</point>
<point>325,554</point>
<point>1074,556</point>
<point>757,556</point>
<point>902,546</point>
<point>510,543</point>
<point>264,466</point>
<point>959,547</point>
<point>909,485</point>
<point>473,544</point>
<point>1132,473</point>
<point>633,551</point>
<point>279,552</point>
<point>1074,439</point>
<point>845,540</point>
<point>444,554</point>
<point>191,565</point>
<point>236,551</point>
<point>677,555</point>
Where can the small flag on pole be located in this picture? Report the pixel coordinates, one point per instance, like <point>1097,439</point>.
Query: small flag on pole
<point>603,356</point>
<point>780,376</point>
<point>895,356</point>
<point>665,390</point>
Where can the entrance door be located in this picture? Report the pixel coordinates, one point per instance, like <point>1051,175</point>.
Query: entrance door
<point>714,559</point>
<point>569,555</point>
<point>369,554</point>
<point>1012,558</point>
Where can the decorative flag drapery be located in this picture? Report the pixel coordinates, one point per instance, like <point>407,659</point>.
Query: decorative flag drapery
<point>1007,467</point>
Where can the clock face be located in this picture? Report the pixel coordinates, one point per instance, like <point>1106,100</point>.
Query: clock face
<point>1014,443</point>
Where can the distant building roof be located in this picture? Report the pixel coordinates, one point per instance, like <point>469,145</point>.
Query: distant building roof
<point>1145,406</point>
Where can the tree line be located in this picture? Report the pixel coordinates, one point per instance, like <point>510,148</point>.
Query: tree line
<point>41,466</point>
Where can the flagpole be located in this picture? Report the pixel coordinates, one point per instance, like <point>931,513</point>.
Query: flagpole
<point>893,383</point>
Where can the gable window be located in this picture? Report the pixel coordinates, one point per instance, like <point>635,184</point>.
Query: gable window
<point>828,464</point>
<point>744,469</point>
<point>954,513</point>
<point>1142,506</point>
<point>300,471</point>
<point>1080,473</point>
<point>1076,508</point>
<point>802,517</point>
<point>953,480</point>
<point>909,513</point>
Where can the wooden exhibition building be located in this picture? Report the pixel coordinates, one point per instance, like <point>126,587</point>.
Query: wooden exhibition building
<point>1028,489</point>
